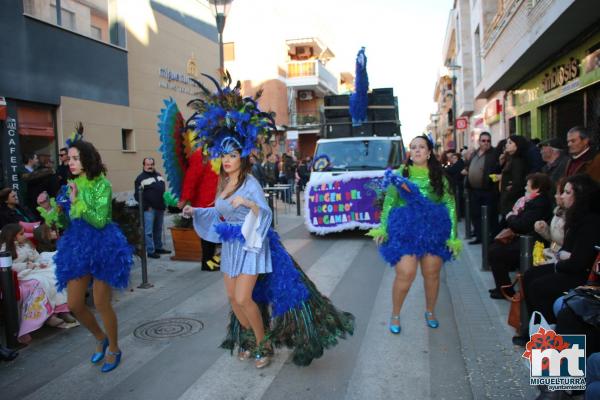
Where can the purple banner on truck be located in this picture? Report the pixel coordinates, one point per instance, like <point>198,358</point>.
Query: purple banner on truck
<point>342,204</point>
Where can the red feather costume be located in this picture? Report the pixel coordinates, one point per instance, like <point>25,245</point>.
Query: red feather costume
<point>200,182</point>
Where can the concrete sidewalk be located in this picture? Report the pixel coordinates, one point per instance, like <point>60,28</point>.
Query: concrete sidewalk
<point>494,365</point>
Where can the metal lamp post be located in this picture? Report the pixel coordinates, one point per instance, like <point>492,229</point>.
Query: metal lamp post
<point>453,68</point>
<point>220,10</point>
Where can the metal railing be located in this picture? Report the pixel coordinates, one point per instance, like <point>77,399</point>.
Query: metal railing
<point>305,118</point>
<point>312,69</point>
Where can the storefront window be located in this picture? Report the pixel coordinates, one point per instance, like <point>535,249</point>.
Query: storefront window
<point>86,17</point>
<point>525,125</point>
<point>593,112</point>
<point>512,126</point>
<point>548,122</point>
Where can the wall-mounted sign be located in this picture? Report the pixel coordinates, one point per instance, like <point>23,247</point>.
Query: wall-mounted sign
<point>170,79</point>
<point>493,109</point>
<point>560,75</point>
<point>462,123</point>
<point>192,67</point>
<point>11,154</point>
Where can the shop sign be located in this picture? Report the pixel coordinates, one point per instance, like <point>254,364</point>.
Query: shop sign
<point>492,112</point>
<point>462,123</point>
<point>10,145</point>
<point>560,75</point>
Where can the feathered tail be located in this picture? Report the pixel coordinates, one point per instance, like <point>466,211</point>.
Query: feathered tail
<point>301,318</point>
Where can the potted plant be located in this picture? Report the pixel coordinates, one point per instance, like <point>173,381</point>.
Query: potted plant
<point>186,242</point>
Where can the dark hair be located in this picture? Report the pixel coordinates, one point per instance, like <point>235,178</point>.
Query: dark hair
<point>245,168</point>
<point>90,159</point>
<point>64,149</point>
<point>500,147</point>
<point>27,157</point>
<point>147,158</point>
<point>522,145</point>
<point>269,155</point>
<point>8,237</point>
<point>540,181</point>
<point>584,133</point>
<point>4,193</point>
<point>436,171</point>
<point>486,133</point>
<point>587,196</point>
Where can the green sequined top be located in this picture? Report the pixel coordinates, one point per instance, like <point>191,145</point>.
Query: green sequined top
<point>93,202</point>
<point>420,177</point>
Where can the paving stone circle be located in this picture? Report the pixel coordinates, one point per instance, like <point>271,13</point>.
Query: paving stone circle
<point>168,328</point>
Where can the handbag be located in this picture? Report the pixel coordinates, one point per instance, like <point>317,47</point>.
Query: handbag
<point>585,302</point>
<point>505,236</point>
<point>514,313</point>
<point>538,321</point>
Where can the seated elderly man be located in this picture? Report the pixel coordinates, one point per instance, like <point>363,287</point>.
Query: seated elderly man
<point>555,158</point>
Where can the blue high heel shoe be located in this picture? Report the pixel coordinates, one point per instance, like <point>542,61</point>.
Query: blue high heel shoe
<point>107,367</point>
<point>431,322</point>
<point>98,356</point>
<point>395,329</point>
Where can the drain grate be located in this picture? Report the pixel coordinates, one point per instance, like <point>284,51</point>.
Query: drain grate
<point>168,328</point>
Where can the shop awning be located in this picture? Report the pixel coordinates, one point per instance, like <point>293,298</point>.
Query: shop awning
<point>33,121</point>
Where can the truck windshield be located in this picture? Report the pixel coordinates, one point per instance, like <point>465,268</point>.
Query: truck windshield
<point>359,155</point>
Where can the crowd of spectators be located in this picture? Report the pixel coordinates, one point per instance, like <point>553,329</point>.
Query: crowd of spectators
<point>283,170</point>
<point>551,191</point>
<point>32,243</point>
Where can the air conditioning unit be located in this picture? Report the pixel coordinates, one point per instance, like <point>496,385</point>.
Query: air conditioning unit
<point>304,95</point>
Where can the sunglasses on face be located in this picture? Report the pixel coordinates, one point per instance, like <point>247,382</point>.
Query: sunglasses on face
<point>484,140</point>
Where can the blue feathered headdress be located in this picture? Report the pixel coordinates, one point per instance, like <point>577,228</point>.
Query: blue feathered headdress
<point>225,121</point>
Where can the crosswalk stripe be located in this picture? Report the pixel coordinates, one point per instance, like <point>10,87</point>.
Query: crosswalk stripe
<point>243,380</point>
<point>393,366</point>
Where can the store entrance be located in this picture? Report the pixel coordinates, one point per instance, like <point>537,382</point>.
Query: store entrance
<point>560,116</point>
<point>593,112</point>
<point>570,113</point>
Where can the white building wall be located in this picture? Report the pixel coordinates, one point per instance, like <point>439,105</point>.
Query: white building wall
<point>512,34</point>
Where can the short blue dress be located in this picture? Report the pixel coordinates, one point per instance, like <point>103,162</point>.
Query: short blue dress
<point>92,244</point>
<point>251,256</point>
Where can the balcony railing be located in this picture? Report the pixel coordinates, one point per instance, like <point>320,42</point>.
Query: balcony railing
<point>301,119</point>
<point>311,72</point>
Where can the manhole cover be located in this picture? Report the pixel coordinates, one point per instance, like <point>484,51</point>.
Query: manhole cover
<point>168,328</point>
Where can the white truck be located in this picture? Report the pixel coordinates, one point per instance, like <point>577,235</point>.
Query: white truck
<point>344,184</point>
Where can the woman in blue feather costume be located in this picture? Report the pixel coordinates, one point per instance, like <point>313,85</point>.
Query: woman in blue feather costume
<point>93,250</point>
<point>265,286</point>
<point>418,226</point>
<point>273,302</point>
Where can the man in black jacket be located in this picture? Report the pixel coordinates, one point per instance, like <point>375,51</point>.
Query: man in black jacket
<point>152,185</point>
<point>482,191</point>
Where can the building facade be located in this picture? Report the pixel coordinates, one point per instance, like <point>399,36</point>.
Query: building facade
<point>105,63</point>
<point>291,66</point>
<point>534,66</point>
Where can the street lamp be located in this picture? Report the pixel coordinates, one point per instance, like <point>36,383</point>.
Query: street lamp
<point>453,68</point>
<point>220,10</point>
